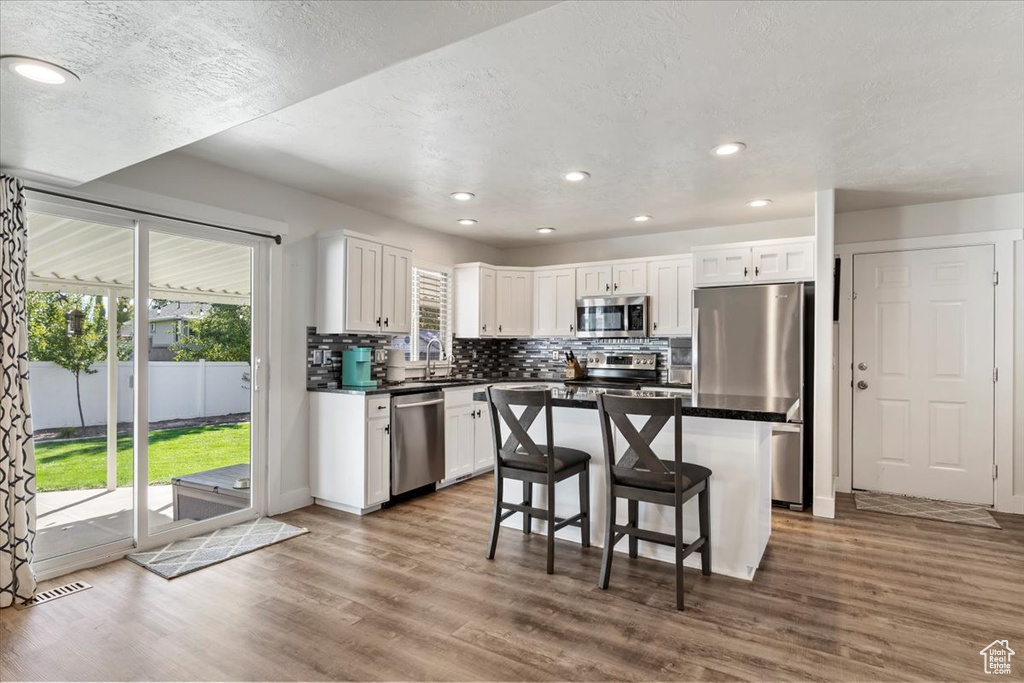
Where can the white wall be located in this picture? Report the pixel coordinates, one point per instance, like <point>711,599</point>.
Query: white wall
<point>176,391</point>
<point>196,188</point>
<point>1001,212</point>
<point>659,244</point>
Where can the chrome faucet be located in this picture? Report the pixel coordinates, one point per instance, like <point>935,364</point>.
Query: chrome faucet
<point>440,354</point>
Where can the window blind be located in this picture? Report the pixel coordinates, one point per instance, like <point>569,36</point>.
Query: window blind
<point>431,314</point>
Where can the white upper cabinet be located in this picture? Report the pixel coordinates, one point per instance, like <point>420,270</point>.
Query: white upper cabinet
<point>671,288</point>
<point>396,291</point>
<point>784,262</point>
<point>361,285</point>
<point>728,266</point>
<point>777,261</point>
<point>514,310</point>
<point>475,291</point>
<point>554,303</point>
<point>611,280</point>
<point>629,278</point>
<point>593,281</point>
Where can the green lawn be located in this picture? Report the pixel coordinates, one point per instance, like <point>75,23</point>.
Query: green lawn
<point>82,463</point>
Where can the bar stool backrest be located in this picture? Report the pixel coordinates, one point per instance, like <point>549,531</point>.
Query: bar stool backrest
<point>639,460</point>
<point>519,442</point>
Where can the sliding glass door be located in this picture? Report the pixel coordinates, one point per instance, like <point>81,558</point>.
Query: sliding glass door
<point>146,341</point>
<point>200,379</point>
<point>80,309</point>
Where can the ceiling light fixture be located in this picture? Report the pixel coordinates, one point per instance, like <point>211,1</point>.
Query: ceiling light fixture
<point>728,149</point>
<point>576,176</point>
<point>641,219</point>
<point>758,203</point>
<point>545,230</point>
<point>38,70</point>
<point>462,196</point>
<point>467,221</point>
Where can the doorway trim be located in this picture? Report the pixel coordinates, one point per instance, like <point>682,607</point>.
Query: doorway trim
<point>1006,500</point>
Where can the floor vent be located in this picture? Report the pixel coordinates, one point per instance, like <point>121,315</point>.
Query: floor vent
<point>54,593</point>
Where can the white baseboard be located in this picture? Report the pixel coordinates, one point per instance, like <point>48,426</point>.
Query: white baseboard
<point>351,509</point>
<point>291,500</point>
<point>825,507</point>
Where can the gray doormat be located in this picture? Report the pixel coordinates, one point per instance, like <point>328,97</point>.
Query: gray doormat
<point>182,557</point>
<point>908,506</point>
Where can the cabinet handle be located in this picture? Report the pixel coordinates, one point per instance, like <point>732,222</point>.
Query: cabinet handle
<point>378,322</point>
<point>607,288</point>
<point>757,270</point>
<point>655,325</point>
<point>382,407</point>
<point>571,328</point>
<point>499,328</point>
<point>387,429</point>
<point>385,322</point>
<point>616,286</point>
<point>485,327</point>
<point>472,414</point>
<point>478,414</point>
<point>745,271</point>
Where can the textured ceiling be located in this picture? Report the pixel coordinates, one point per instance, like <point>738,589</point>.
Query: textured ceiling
<point>891,102</point>
<point>159,75</point>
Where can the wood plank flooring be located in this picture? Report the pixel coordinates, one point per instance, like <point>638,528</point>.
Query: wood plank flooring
<point>406,594</point>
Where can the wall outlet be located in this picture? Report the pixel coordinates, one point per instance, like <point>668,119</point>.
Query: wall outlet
<point>380,355</point>
<point>556,355</point>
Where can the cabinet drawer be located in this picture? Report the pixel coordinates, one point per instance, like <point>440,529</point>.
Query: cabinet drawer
<point>461,396</point>
<point>377,406</point>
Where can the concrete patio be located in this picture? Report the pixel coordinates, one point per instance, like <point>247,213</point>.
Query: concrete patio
<point>70,521</point>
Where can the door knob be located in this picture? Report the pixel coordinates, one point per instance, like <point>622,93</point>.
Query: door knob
<point>862,366</point>
<point>862,385</point>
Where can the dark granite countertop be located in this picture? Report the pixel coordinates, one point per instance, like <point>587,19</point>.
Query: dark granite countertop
<point>416,387</point>
<point>719,406</point>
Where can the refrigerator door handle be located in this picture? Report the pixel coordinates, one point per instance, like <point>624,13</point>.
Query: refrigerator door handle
<point>695,352</point>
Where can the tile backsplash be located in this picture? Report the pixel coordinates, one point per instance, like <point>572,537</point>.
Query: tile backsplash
<point>484,358</point>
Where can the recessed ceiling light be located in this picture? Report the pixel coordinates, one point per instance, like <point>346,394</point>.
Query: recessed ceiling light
<point>728,148</point>
<point>576,176</point>
<point>462,196</point>
<point>467,221</point>
<point>641,219</point>
<point>545,231</point>
<point>758,203</point>
<point>39,71</point>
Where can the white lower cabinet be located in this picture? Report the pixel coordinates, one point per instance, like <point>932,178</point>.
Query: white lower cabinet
<point>467,434</point>
<point>350,450</point>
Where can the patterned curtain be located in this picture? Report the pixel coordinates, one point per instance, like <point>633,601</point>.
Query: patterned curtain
<point>17,450</point>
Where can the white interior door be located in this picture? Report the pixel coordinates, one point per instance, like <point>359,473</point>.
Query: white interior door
<point>923,354</point>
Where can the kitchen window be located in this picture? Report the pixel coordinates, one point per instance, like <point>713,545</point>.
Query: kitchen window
<point>431,314</point>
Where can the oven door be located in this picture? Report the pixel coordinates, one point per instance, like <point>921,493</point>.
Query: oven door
<point>611,317</point>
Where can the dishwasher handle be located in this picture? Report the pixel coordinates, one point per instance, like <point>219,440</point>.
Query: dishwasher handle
<point>401,406</point>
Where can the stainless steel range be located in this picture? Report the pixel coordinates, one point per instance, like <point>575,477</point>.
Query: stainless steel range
<point>619,370</point>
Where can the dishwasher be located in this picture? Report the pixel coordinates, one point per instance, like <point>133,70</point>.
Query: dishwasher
<point>417,441</point>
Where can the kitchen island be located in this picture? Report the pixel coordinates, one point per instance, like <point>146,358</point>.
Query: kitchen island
<point>730,435</point>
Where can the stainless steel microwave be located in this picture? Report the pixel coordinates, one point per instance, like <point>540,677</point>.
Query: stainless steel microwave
<point>612,316</point>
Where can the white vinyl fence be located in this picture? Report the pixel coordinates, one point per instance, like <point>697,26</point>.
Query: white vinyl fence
<point>176,391</point>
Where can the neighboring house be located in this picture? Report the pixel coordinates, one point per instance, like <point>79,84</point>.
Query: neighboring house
<point>170,324</point>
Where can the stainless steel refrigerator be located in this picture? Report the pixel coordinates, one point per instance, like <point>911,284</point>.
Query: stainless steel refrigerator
<point>756,340</point>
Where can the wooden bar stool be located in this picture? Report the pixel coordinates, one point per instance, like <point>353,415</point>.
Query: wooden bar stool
<point>522,459</point>
<point>640,476</point>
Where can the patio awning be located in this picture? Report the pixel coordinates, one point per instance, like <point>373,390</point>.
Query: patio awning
<point>71,255</point>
